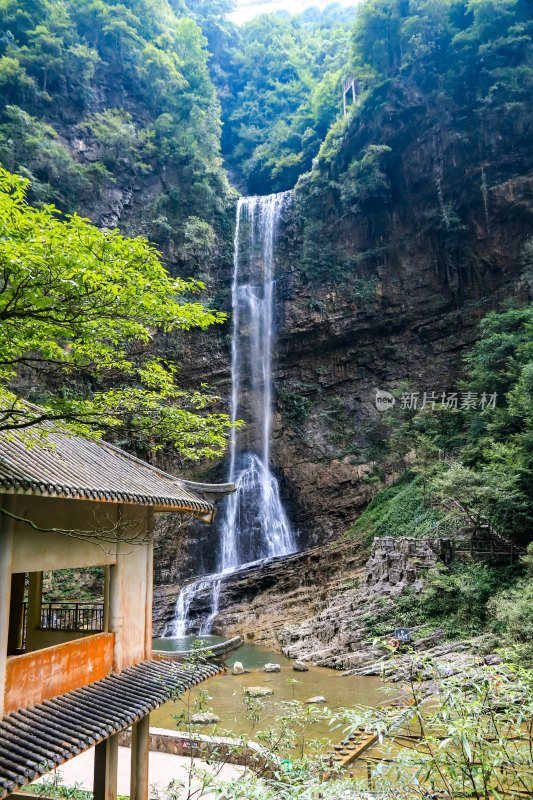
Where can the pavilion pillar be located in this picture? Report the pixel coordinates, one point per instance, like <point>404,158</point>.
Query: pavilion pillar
<point>106,769</point>
<point>6,565</point>
<point>16,613</point>
<point>140,747</point>
<point>149,587</point>
<point>33,613</point>
<point>107,585</point>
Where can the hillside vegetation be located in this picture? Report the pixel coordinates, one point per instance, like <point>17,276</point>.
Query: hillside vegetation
<point>101,99</point>
<point>458,76</point>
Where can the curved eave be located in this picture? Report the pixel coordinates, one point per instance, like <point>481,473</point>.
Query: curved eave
<point>198,508</point>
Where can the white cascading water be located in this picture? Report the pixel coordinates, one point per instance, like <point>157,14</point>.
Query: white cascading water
<point>254,525</point>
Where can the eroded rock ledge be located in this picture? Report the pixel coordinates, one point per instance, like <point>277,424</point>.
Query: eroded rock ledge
<point>319,606</point>
<point>339,636</point>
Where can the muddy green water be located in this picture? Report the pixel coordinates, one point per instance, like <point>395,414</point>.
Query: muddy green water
<point>227,691</point>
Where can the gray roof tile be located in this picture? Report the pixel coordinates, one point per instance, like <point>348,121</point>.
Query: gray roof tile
<point>84,469</point>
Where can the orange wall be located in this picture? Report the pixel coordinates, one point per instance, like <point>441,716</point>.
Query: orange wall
<point>43,674</point>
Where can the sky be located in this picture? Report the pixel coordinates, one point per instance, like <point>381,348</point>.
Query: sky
<point>247,9</point>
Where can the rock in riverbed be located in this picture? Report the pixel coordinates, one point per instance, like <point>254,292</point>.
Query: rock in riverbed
<point>238,669</point>
<point>258,691</point>
<point>316,700</point>
<point>300,666</point>
<point>272,668</point>
<point>205,718</point>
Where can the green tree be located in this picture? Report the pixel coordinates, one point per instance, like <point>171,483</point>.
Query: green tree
<point>121,144</point>
<point>282,89</point>
<point>377,40</point>
<point>81,306</point>
<point>15,83</point>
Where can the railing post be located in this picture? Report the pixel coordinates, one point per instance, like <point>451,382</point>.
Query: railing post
<point>24,623</point>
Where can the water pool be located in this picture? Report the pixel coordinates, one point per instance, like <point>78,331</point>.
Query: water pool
<point>226,692</point>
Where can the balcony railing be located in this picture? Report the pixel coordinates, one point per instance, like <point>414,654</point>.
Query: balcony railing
<point>65,616</point>
<point>69,616</point>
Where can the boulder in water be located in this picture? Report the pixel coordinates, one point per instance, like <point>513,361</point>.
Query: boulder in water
<point>316,700</point>
<point>258,691</point>
<point>272,668</point>
<point>300,666</point>
<point>238,669</point>
<point>204,718</point>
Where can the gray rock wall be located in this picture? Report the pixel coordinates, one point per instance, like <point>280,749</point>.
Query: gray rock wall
<point>396,563</point>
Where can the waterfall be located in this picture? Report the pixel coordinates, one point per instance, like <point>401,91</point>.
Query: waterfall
<point>178,627</point>
<point>254,522</point>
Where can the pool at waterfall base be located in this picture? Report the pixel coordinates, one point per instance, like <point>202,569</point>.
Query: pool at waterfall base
<point>226,692</point>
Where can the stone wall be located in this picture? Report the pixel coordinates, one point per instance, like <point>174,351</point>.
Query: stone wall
<point>396,563</point>
<point>199,745</point>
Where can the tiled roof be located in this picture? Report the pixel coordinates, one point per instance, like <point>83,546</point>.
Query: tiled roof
<point>34,740</point>
<point>85,469</point>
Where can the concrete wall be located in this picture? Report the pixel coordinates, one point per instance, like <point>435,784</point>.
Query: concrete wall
<point>40,638</point>
<point>38,551</point>
<point>34,677</point>
<point>199,745</point>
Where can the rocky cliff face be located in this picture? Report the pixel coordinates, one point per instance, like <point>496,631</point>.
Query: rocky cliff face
<point>422,263</point>
<point>261,601</point>
<point>320,605</point>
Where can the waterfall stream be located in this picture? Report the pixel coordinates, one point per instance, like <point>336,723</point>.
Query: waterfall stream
<point>254,523</point>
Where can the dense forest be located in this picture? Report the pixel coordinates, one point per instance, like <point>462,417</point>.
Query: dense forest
<point>103,95</point>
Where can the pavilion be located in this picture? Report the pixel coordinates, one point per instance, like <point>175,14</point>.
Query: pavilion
<point>74,675</point>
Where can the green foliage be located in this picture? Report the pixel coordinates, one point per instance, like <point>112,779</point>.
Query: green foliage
<point>473,739</point>
<point>365,180</point>
<point>458,598</point>
<point>74,584</point>
<point>14,80</point>
<point>120,142</point>
<point>400,510</point>
<point>128,80</point>
<point>473,463</point>
<point>294,406</point>
<point>83,304</point>
<point>199,241</point>
<point>512,612</point>
<point>284,82</point>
